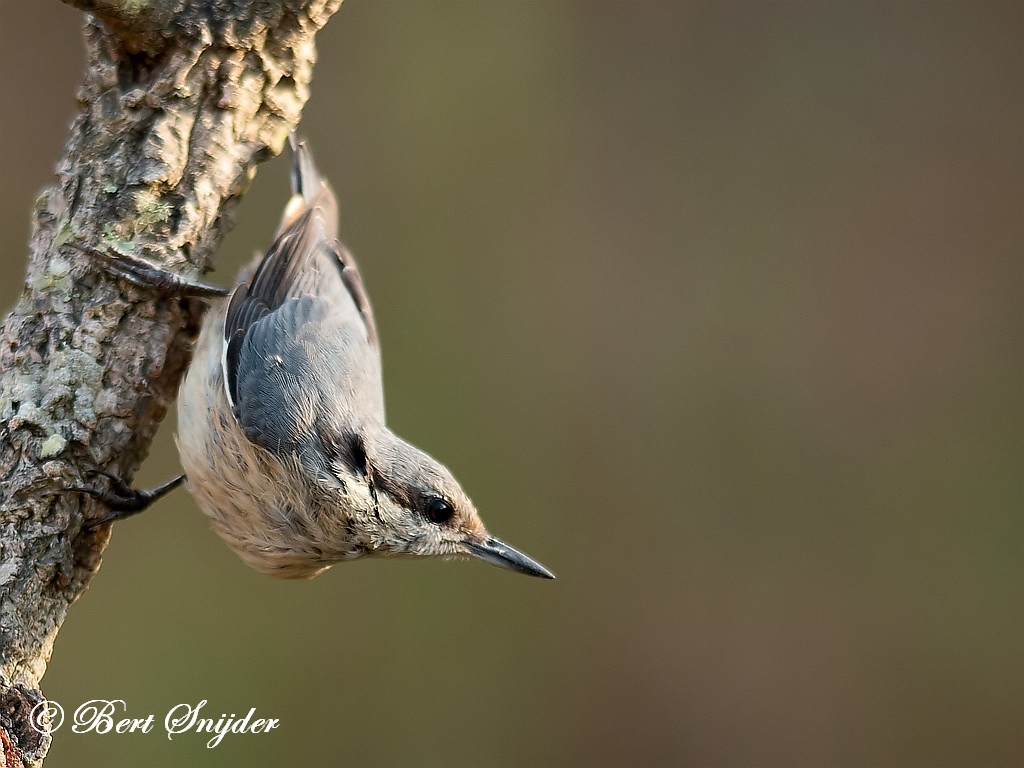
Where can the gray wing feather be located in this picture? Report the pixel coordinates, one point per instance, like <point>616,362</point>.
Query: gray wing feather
<point>301,358</point>
<point>304,376</point>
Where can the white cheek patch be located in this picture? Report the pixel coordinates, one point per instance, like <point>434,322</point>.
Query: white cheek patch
<point>357,491</point>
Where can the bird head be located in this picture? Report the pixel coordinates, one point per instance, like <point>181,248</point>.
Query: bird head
<point>419,508</point>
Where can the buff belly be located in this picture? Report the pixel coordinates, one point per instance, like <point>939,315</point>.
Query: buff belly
<point>247,493</point>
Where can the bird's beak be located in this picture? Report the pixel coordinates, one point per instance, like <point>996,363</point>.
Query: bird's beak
<point>499,553</point>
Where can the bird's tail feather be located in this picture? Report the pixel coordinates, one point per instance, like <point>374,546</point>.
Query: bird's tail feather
<point>305,179</point>
<point>308,190</point>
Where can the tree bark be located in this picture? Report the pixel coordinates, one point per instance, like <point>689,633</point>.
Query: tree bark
<point>181,100</point>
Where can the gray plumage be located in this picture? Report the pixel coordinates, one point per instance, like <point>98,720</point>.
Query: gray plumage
<point>281,417</point>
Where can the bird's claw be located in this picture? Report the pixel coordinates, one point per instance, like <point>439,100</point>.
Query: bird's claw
<point>121,499</point>
<point>143,274</point>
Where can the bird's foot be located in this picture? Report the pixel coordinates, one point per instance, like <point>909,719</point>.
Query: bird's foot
<point>121,499</point>
<point>140,272</point>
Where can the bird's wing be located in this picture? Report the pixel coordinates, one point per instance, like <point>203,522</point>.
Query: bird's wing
<point>305,378</point>
<point>353,282</point>
<point>300,343</point>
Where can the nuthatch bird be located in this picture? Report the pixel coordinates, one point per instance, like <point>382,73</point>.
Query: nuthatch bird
<point>281,425</point>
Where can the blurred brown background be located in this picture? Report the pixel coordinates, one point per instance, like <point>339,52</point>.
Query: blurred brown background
<point>715,309</point>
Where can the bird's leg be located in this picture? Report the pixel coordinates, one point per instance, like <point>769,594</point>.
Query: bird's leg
<point>140,272</point>
<point>122,500</point>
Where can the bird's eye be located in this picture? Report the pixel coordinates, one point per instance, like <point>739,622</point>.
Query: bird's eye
<point>439,511</point>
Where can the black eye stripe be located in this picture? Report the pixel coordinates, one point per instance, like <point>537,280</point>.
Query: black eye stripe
<point>345,448</point>
<point>438,511</point>
<point>357,453</point>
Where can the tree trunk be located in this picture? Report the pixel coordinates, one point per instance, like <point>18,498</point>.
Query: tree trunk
<point>181,100</point>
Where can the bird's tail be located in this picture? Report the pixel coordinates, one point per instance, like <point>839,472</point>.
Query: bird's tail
<point>308,189</point>
<point>305,179</point>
